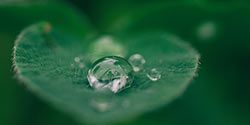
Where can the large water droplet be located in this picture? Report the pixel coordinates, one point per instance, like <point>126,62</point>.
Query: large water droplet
<point>154,74</point>
<point>111,72</point>
<point>137,61</point>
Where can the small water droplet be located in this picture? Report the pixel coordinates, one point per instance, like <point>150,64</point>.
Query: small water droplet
<point>72,65</point>
<point>137,61</point>
<point>111,72</point>
<point>77,59</point>
<point>154,74</point>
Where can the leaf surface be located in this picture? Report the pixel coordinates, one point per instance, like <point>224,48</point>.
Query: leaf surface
<point>44,59</point>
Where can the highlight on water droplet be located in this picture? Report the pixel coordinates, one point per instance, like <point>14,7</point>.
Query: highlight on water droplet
<point>154,74</point>
<point>111,72</point>
<point>137,61</point>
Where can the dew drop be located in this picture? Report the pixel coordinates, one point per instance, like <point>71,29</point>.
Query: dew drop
<point>137,61</point>
<point>77,59</point>
<point>154,74</point>
<point>111,72</point>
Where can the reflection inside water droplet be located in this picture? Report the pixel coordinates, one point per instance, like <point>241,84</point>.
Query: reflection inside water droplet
<point>154,74</point>
<point>112,72</point>
<point>137,61</point>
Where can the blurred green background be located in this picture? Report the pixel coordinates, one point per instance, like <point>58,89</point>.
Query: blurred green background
<point>218,29</point>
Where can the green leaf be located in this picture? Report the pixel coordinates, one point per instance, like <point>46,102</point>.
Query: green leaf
<point>44,61</point>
